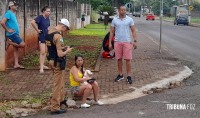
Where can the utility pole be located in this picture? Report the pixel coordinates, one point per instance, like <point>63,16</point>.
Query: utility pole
<point>161,18</point>
<point>189,13</point>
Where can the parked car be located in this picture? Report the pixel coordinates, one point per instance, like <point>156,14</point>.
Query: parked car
<point>137,14</point>
<point>101,18</point>
<point>181,19</point>
<point>150,16</point>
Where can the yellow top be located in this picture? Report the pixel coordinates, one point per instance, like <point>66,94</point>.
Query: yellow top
<point>73,82</point>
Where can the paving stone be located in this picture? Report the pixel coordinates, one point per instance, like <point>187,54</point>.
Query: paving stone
<point>148,66</point>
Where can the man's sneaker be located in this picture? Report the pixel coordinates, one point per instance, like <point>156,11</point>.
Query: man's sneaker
<point>61,111</point>
<point>98,103</point>
<point>64,102</point>
<point>129,80</point>
<point>85,105</point>
<point>118,78</point>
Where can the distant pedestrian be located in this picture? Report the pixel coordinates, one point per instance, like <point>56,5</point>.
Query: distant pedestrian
<point>125,38</point>
<point>83,20</point>
<point>11,26</point>
<point>57,59</point>
<point>41,25</point>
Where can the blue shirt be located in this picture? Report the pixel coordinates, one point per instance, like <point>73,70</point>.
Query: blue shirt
<point>43,24</point>
<point>11,22</point>
<point>122,28</point>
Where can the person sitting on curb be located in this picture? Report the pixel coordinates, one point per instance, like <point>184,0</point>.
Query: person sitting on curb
<point>84,90</point>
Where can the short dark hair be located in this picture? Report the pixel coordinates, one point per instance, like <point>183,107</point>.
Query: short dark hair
<point>120,6</point>
<point>45,8</point>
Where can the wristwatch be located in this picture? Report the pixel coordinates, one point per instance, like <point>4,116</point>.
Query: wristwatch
<point>135,40</point>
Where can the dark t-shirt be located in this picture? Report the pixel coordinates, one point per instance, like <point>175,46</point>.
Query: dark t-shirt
<point>43,24</point>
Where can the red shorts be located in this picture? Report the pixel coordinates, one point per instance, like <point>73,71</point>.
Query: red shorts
<point>123,50</point>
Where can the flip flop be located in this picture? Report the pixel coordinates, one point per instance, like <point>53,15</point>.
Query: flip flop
<point>19,67</point>
<point>45,67</point>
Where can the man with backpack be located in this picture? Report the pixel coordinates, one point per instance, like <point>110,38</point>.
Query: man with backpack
<point>57,59</point>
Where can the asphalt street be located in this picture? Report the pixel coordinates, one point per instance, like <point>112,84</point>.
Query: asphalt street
<point>182,40</point>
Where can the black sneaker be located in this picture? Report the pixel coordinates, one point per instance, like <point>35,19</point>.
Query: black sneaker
<point>118,78</point>
<point>129,80</point>
<point>61,111</point>
<point>64,103</point>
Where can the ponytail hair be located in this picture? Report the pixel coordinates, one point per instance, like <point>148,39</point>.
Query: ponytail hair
<point>76,57</point>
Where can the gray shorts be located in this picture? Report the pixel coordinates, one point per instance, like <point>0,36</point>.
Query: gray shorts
<point>75,89</point>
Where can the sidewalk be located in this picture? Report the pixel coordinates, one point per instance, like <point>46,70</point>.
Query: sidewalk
<point>149,66</point>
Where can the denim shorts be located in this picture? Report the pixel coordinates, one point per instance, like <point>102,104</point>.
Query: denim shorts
<point>75,89</point>
<point>15,38</point>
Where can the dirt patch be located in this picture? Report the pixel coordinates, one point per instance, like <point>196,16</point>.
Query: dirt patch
<point>78,37</point>
<point>88,46</point>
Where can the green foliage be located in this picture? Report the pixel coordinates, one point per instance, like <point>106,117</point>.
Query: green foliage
<point>105,8</point>
<point>167,4</point>
<point>96,3</point>
<point>196,5</point>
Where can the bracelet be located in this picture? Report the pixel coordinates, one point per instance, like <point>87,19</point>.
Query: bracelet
<point>135,40</point>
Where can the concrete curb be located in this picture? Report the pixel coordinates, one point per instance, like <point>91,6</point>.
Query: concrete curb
<point>139,91</point>
<point>98,63</point>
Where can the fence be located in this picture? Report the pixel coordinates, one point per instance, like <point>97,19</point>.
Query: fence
<point>27,11</point>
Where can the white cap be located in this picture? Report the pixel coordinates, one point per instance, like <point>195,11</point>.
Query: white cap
<point>65,22</point>
<point>11,3</point>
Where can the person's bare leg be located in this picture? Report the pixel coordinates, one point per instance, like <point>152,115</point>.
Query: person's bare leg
<point>22,45</point>
<point>84,92</point>
<point>128,67</point>
<point>119,64</point>
<point>95,89</point>
<point>81,24</point>
<point>16,56</point>
<point>42,56</point>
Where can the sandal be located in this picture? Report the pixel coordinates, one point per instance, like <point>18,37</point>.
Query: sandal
<point>19,67</point>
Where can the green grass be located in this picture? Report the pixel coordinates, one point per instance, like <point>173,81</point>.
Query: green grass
<point>195,20</point>
<point>91,30</point>
<point>169,18</point>
<point>88,42</point>
<point>96,26</point>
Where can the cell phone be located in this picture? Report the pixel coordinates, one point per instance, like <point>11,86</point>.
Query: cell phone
<point>91,80</point>
<point>41,31</point>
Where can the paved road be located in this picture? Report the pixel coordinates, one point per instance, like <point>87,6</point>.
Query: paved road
<point>184,40</point>
<point>152,106</point>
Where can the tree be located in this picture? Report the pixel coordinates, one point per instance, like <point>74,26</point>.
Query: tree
<point>196,5</point>
<point>166,6</point>
<point>104,8</point>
